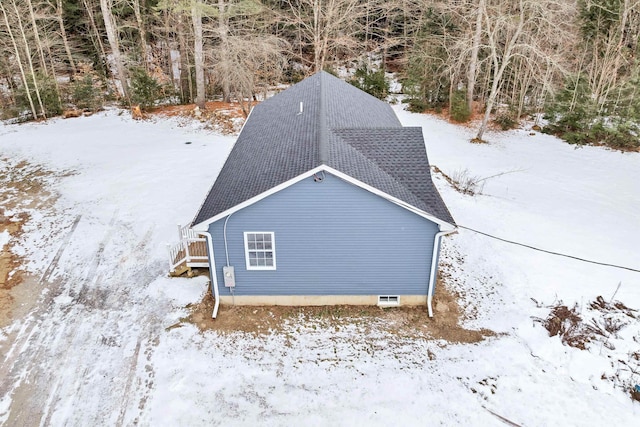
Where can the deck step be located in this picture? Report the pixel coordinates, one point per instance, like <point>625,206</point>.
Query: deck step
<point>180,270</point>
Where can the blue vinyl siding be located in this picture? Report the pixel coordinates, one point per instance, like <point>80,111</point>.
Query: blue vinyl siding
<point>331,238</point>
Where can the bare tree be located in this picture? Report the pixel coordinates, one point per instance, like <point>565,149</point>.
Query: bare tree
<point>177,33</point>
<point>615,31</point>
<point>328,27</point>
<point>196,17</point>
<point>114,43</point>
<point>96,35</point>
<point>36,35</point>
<point>473,60</point>
<point>224,58</point>
<point>63,34</point>
<point>27,49</point>
<point>495,26</point>
<point>135,4</point>
<point>16,52</point>
<point>521,41</point>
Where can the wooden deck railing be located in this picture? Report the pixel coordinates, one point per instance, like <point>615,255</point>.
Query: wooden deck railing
<point>190,249</point>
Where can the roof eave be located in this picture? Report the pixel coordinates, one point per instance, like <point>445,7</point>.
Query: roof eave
<point>205,197</point>
<point>443,225</point>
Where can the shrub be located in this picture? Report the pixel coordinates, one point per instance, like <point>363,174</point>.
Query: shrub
<point>87,92</point>
<point>619,134</point>
<point>48,94</point>
<point>145,90</point>
<point>462,181</point>
<point>459,109</point>
<point>417,105</point>
<point>567,323</point>
<point>293,75</point>
<point>466,183</point>
<point>373,82</point>
<point>505,121</point>
<point>574,116</point>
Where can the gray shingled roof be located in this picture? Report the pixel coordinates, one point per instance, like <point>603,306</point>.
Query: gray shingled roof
<point>340,126</point>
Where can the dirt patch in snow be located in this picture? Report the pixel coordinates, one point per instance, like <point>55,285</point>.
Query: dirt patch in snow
<point>23,189</point>
<point>406,322</point>
<point>233,109</point>
<point>9,262</point>
<point>224,117</point>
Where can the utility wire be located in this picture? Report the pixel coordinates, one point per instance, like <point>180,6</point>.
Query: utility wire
<point>549,252</point>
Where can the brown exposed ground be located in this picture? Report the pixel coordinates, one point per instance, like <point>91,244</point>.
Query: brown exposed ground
<point>23,187</point>
<point>10,276</point>
<point>234,109</point>
<point>9,262</point>
<point>401,321</point>
<point>223,117</point>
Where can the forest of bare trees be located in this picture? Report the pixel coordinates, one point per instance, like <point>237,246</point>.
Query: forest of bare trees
<point>571,65</point>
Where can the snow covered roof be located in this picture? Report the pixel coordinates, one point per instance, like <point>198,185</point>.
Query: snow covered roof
<point>325,121</point>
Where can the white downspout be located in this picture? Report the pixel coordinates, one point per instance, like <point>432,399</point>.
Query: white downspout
<point>212,273</point>
<point>434,261</point>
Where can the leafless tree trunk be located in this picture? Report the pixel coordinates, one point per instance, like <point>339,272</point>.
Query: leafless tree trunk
<point>114,43</point>
<point>499,61</point>
<point>223,32</point>
<point>196,17</point>
<point>36,35</point>
<point>608,51</point>
<point>473,62</point>
<point>16,51</point>
<point>186,83</point>
<point>223,49</point>
<point>327,26</point>
<point>63,34</point>
<point>96,34</point>
<point>29,61</point>
<point>143,33</point>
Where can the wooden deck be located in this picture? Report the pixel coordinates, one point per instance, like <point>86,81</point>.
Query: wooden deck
<point>190,252</point>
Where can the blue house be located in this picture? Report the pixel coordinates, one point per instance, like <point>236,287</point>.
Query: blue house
<point>325,199</point>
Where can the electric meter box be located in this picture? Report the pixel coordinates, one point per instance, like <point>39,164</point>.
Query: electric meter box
<point>229,275</point>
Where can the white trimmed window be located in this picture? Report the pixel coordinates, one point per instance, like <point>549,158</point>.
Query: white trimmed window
<point>260,250</point>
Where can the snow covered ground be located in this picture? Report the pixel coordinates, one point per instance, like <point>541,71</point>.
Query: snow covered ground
<point>96,350</point>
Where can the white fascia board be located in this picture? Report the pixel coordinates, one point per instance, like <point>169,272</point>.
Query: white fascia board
<point>443,225</point>
<point>205,197</point>
<point>204,225</point>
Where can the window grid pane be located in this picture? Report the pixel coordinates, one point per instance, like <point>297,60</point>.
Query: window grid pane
<point>260,250</point>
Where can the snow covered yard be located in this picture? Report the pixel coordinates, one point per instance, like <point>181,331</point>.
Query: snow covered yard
<point>96,347</point>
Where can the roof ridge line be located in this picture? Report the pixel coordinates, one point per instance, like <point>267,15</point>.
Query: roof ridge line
<point>323,149</point>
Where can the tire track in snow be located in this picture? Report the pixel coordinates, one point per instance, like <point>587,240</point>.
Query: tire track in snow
<point>26,367</point>
<point>121,367</point>
<point>28,325</point>
<point>135,359</point>
<point>28,330</point>
<point>84,297</point>
<point>54,262</point>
